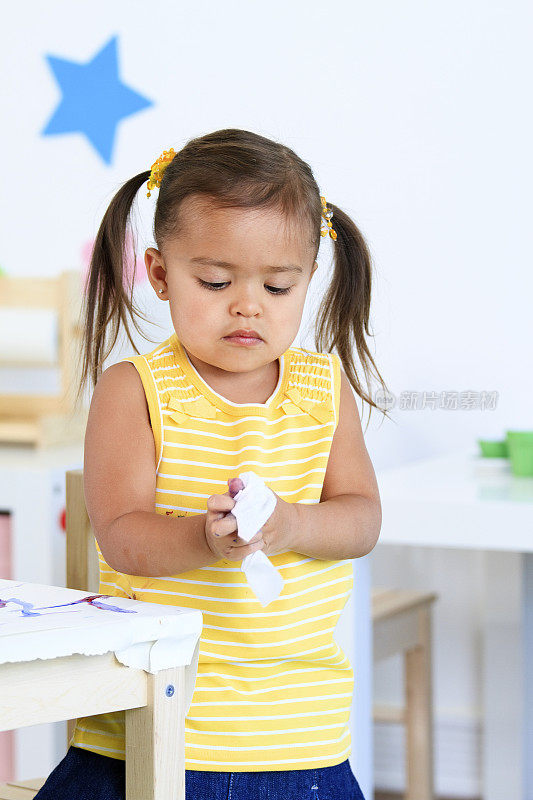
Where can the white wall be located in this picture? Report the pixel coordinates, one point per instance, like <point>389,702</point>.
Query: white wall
<point>415,119</point>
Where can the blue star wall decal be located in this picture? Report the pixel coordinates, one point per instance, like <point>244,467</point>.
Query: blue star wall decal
<point>94,99</point>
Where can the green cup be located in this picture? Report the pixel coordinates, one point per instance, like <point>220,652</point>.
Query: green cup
<point>520,446</point>
<point>493,449</point>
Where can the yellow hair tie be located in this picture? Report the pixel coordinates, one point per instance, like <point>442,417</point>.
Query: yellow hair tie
<point>327,215</point>
<point>158,169</point>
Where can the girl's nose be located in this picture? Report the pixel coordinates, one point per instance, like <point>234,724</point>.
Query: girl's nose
<point>246,301</point>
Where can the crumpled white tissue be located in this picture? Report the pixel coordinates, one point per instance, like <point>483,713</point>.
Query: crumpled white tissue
<point>253,506</point>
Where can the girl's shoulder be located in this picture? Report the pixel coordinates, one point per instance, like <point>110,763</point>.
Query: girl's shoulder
<point>312,356</point>
<point>316,376</point>
<point>325,367</point>
<point>161,371</point>
<point>160,362</point>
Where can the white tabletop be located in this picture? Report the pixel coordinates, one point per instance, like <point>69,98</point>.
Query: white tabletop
<point>38,621</point>
<point>457,500</point>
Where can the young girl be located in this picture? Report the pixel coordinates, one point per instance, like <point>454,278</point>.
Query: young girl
<point>237,226</point>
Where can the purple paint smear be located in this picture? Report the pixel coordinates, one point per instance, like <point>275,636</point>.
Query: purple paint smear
<point>92,600</point>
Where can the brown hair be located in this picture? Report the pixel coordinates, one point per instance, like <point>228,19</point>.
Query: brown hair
<point>238,169</point>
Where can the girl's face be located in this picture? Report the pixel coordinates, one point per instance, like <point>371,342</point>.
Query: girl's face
<point>238,250</point>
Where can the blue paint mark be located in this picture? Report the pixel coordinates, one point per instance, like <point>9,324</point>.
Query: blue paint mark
<point>25,606</point>
<point>91,600</point>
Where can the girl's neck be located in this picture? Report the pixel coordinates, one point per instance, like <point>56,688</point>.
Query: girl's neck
<point>239,387</point>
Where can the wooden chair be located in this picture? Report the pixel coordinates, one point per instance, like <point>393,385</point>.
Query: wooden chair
<point>401,621</point>
<point>45,419</point>
<point>83,574</point>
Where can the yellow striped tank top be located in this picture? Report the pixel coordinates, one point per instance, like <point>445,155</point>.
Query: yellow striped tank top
<point>273,689</point>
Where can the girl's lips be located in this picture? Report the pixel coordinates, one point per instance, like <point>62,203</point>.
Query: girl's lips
<point>248,332</point>
<point>243,339</point>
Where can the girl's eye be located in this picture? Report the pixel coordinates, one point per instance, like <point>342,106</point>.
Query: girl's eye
<point>215,287</point>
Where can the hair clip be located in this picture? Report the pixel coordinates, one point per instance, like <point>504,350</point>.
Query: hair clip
<point>158,169</point>
<point>327,214</point>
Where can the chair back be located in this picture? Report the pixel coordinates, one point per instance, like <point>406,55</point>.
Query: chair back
<point>83,569</point>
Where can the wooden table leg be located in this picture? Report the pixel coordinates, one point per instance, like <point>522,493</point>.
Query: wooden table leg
<point>503,759</point>
<point>419,714</point>
<point>155,740</point>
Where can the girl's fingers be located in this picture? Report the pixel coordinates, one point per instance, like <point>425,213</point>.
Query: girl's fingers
<point>235,485</point>
<point>258,537</point>
<point>224,526</point>
<point>218,503</point>
<point>237,542</point>
<point>251,548</point>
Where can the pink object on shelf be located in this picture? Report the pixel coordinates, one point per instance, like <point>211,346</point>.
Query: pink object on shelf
<point>5,546</point>
<point>7,756</point>
<point>7,738</point>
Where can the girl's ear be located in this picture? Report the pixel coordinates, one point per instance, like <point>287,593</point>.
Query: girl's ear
<point>151,256</point>
<point>155,269</point>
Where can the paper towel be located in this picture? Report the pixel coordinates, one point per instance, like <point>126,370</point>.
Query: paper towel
<point>253,506</point>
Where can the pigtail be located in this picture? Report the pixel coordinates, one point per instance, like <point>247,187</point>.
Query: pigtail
<point>106,297</point>
<point>343,315</point>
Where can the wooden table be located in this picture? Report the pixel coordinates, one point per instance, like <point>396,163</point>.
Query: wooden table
<point>463,501</point>
<point>89,659</point>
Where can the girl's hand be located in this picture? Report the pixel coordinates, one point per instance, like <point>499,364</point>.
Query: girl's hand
<point>276,535</point>
<point>280,528</point>
<point>221,526</point>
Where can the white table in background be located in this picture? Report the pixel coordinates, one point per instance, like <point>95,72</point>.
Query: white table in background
<point>462,501</point>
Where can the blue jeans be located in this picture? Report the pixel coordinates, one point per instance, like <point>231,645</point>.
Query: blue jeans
<point>84,775</point>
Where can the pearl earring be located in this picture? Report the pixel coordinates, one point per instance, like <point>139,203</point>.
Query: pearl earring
<point>161,290</point>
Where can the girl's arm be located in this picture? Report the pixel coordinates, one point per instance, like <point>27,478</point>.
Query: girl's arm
<point>119,476</point>
<point>347,520</point>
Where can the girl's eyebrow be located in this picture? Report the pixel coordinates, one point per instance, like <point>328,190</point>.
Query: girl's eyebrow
<point>213,262</point>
